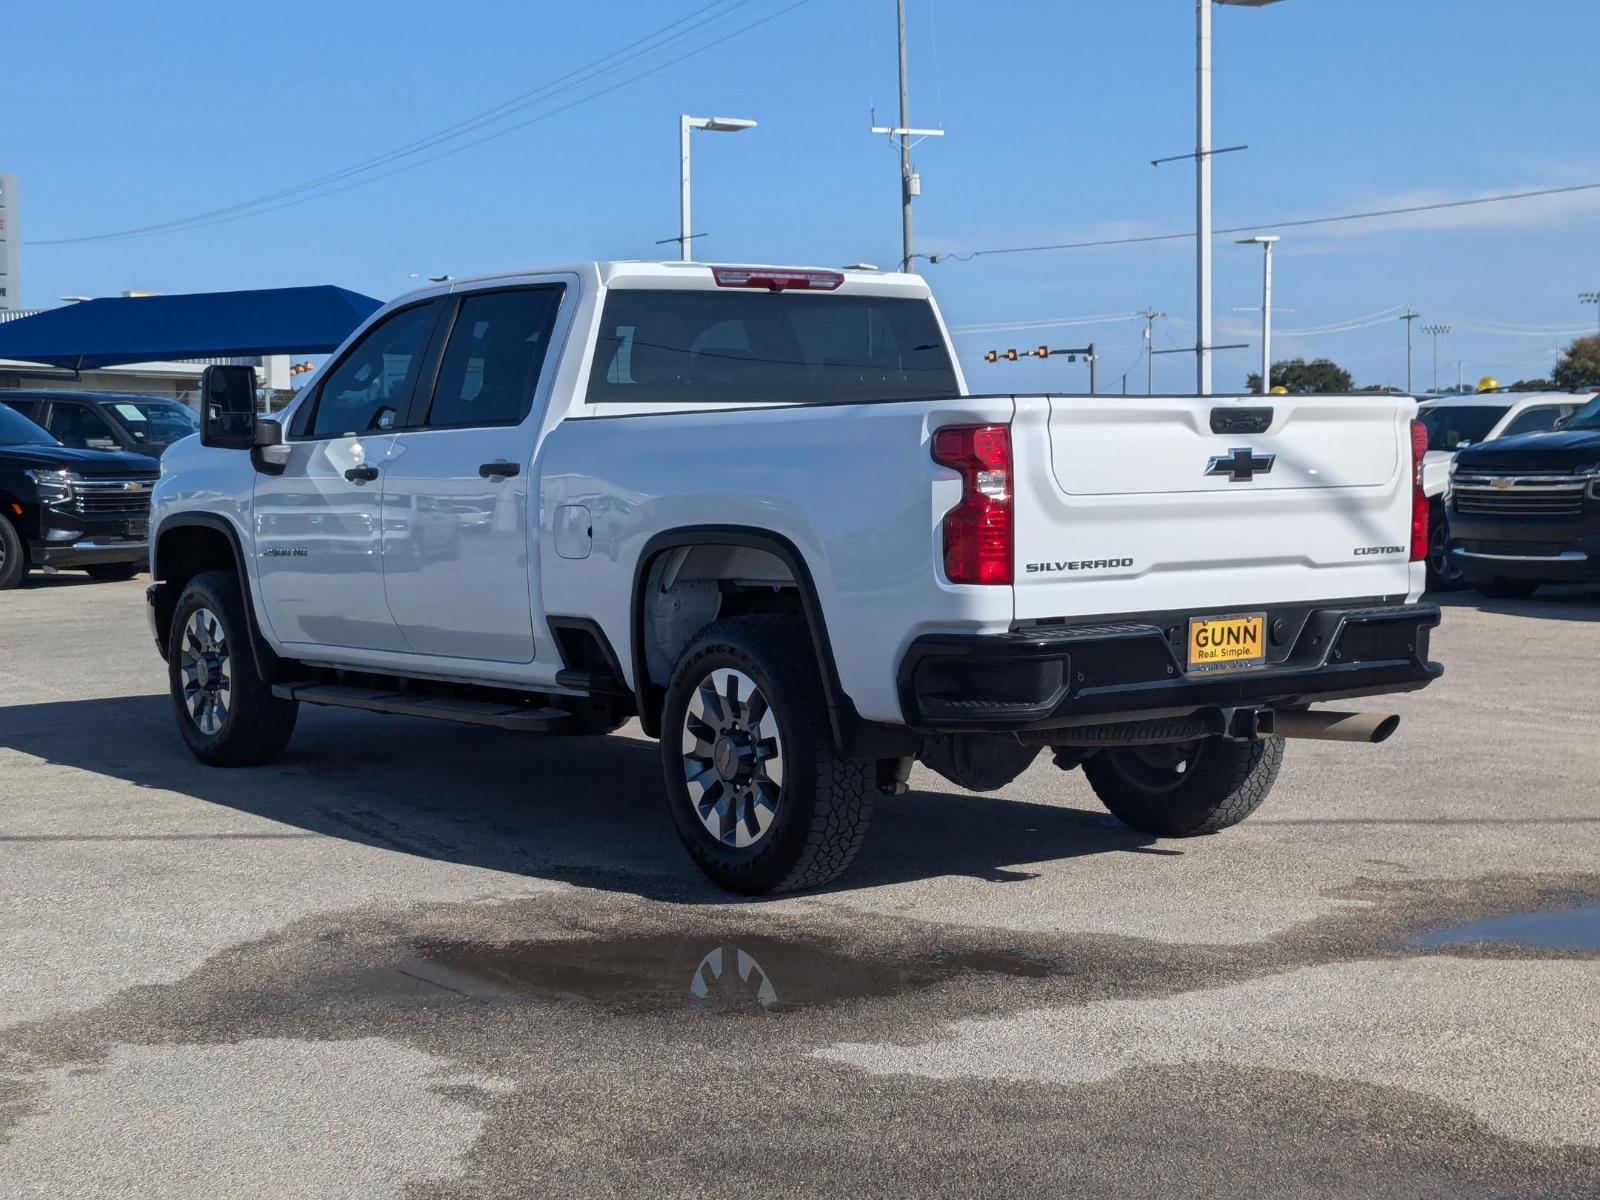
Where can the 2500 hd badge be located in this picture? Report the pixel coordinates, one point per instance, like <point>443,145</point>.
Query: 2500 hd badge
<point>1095,564</point>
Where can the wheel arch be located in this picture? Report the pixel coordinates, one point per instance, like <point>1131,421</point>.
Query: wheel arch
<point>185,544</point>
<point>846,726</point>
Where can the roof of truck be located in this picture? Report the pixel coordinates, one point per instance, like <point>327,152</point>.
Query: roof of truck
<point>1496,399</point>
<point>691,275</point>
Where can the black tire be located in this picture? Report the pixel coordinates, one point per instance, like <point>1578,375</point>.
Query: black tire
<point>1443,574</point>
<point>13,556</point>
<point>252,726</point>
<point>818,812</point>
<point>1500,588</point>
<point>108,572</point>
<point>1186,789</point>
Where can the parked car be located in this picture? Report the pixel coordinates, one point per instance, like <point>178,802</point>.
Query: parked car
<point>65,507</point>
<point>1526,510</point>
<point>1454,422</point>
<point>756,508</point>
<point>107,420</point>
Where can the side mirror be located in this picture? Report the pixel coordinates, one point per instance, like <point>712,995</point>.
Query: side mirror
<point>228,407</point>
<point>1560,423</point>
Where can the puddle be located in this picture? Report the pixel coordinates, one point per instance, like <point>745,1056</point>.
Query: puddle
<point>744,974</point>
<point>1551,929</point>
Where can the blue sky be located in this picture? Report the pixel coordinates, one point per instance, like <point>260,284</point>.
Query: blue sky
<point>125,115</point>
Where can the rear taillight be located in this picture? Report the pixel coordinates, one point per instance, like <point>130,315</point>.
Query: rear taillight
<point>977,531</point>
<point>1419,498</point>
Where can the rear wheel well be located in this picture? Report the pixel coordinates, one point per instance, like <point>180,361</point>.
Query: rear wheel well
<point>686,587</point>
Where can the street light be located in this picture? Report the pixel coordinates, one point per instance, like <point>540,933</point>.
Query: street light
<point>1266,243</point>
<point>711,125</point>
<point>1435,331</point>
<point>1202,158</point>
<point>1589,297</point>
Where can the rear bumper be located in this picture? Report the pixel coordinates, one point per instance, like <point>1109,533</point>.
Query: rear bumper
<point>1054,676</point>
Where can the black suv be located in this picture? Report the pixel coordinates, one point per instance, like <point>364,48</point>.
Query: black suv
<point>107,420</point>
<point>65,507</point>
<point>1526,510</point>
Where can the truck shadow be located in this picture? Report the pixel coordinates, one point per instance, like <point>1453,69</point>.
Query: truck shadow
<point>587,811</point>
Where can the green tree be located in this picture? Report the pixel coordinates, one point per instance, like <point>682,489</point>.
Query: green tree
<point>1319,376</point>
<point>1533,385</point>
<point>1579,366</point>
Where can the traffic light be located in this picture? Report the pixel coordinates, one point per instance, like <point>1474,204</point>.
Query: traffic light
<point>992,356</point>
<point>1011,356</point>
<point>1042,352</point>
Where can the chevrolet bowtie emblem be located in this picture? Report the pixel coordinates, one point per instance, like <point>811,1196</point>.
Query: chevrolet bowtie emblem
<point>1241,465</point>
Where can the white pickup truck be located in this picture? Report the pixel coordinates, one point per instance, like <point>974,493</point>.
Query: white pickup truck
<point>757,509</point>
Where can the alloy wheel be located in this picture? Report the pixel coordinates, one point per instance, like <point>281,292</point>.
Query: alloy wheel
<point>732,758</point>
<point>206,670</point>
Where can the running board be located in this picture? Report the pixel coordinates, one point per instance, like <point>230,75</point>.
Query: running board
<point>440,708</point>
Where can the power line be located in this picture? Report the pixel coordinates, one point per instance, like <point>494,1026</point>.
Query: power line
<point>591,72</point>
<point>1047,323</point>
<point>969,255</point>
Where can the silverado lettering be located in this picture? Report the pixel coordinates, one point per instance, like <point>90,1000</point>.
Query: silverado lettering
<point>1096,564</point>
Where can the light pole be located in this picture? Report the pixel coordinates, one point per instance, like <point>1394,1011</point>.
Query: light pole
<point>711,125</point>
<point>1266,243</point>
<point>1202,159</point>
<point>1434,331</point>
<point>1589,297</point>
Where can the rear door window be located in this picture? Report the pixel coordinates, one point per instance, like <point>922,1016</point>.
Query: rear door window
<point>748,347</point>
<point>497,347</point>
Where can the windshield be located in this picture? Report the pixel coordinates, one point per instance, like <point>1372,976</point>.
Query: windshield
<point>1453,425</point>
<point>746,347</point>
<point>17,430</point>
<point>155,422</point>
<point>1587,417</point>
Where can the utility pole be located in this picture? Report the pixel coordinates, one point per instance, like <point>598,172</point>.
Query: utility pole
<point>907,179</point>
<point>910,181</point>
<point>1590,298</point>
<point>1434,331</point>
<point>1408,317</point>
<point>1202,165</point>
<point>1151,316</point>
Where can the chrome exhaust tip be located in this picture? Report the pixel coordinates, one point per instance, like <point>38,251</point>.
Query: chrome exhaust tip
<point>1370,728</point>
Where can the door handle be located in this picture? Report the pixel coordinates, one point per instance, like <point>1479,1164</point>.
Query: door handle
<point>508,469</point>
<point>361,474</point>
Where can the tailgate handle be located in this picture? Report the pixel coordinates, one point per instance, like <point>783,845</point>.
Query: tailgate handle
<point>1241,420</point>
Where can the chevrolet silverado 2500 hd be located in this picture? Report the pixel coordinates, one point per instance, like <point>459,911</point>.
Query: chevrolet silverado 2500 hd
<point>757,509</point>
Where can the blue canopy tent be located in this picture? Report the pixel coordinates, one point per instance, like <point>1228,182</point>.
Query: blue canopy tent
<point>107,333</point>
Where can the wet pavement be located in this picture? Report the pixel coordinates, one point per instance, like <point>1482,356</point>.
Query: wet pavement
<point>412,962</point>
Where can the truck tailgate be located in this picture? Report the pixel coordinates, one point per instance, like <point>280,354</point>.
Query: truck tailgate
<point>1132,504</point>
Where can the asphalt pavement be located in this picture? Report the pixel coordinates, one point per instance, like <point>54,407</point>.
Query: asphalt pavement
<point>421,960</point>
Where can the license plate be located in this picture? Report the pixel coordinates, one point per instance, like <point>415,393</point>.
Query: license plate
<point>139,528</point>
<point>1218,642</point>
